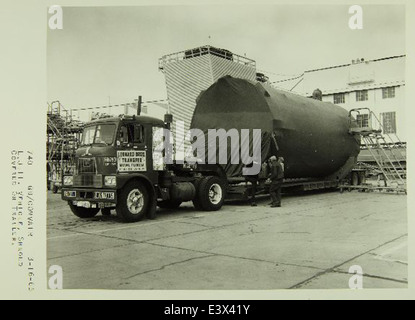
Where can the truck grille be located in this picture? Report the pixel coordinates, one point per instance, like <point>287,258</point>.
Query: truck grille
<point>87,165</point>
<point>88,180</point>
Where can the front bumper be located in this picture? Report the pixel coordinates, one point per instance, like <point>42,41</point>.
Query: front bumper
<point>96,197</point>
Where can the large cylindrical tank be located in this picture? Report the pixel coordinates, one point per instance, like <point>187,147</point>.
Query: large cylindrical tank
<point>312,136</point>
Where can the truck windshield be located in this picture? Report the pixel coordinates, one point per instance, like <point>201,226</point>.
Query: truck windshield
<point>101,133</point>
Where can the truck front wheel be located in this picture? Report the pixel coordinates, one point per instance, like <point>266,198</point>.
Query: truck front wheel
<point>210,194</point>
<point>133,202</point>
<point>83,212</point>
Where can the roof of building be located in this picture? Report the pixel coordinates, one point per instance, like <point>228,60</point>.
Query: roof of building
<point>359,75</point>
<point>361,61</point>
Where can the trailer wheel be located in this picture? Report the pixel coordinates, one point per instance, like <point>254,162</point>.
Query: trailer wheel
<point>355,178</point>
<point>133,202</point>
<point>83,212</point>
<point>362,177</point>
<point>169,204</point>
<point>211,193</point>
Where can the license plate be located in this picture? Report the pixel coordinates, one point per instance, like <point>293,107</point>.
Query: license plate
<point>104,195</point>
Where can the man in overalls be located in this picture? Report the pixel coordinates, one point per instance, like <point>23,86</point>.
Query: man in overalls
<point>277,177</point>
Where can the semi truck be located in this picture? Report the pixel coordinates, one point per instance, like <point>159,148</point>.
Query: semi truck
<point>117,166</point>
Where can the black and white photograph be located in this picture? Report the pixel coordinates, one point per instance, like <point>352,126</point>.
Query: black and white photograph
<point>325,85</point>
<point>224,147</point>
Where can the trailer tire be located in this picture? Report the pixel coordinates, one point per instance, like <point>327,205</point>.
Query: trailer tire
<point>169,204</point>
<point>355,178</point>
<point>83,213</point>
<point>362,177</point>
<point>210,194</point>
<point>133,202</point>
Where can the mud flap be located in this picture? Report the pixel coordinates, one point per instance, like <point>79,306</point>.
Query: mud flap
<point>152,209</point>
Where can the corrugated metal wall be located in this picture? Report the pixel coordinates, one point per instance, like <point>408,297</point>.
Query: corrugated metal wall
<point>222,67</point>
<point>186,78</point>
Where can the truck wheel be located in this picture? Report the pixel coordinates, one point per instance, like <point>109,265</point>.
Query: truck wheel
<point>133,202</point>
<point>362,178</point>
<point>169,204</point>
<point>106,211</point>
<point>211,193</point>
<point>83,212</point>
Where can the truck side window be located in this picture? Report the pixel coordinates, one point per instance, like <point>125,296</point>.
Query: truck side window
<point>124,135</point>
<point>132,134</point>
<point>138,134</point>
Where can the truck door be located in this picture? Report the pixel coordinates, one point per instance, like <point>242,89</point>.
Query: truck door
<point>132,153</point>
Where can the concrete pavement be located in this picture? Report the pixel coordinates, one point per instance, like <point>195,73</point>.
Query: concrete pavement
<point>310,242</point>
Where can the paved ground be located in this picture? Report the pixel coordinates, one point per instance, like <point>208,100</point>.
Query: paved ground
<point>311,242</point>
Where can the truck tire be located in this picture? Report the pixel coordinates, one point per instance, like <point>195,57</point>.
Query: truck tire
<point>83,212</point>
<point>133,202</point>
<point>211,193</point>
<point>169,204</point>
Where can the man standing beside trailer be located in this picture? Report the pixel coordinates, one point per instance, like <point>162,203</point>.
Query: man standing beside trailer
<point>277,177</point>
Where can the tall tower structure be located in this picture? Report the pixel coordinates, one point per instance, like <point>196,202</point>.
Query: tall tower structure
<point>190,72</point>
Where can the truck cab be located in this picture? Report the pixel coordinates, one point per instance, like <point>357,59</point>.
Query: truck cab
<point>118,167</point>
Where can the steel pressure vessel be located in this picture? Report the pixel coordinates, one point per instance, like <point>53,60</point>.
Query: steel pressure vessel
<point>312,136</point>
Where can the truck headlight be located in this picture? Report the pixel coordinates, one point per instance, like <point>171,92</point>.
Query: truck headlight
<point>110,181</point>
<point>68,180</point>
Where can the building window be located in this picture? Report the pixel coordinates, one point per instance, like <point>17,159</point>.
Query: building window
<point>362,120</point>
<point>388,92</point>
<point>389,122</point>
<point>338,98</point>
<point>361,95</point>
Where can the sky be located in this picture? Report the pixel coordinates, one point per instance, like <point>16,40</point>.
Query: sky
<point>109,55</point>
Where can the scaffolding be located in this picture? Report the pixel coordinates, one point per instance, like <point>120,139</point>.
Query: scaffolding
<point>62,139</point>
<point>387,153</point>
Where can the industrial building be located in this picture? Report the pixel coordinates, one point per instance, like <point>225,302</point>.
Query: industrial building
<point>377,84</point>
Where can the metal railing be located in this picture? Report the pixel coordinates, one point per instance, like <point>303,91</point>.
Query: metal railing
<point>200,51</point>
<point>384,149</point>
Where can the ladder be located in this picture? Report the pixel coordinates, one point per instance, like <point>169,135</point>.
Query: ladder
<point>385,150</point>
